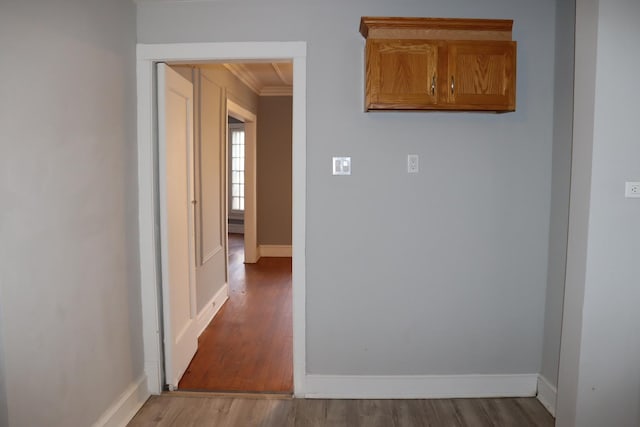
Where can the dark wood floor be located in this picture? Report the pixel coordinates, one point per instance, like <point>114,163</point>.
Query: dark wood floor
<point>248,346</point>
<point>174,410</point>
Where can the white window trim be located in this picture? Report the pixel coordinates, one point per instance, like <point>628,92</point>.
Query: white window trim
<point>233,213</point>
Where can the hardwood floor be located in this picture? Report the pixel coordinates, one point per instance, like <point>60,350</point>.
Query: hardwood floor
<point>248,347</point>
<point>176,410</point>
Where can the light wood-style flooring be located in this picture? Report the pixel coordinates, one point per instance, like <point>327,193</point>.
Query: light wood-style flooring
<point>203,410</point>
<point>248,347</point>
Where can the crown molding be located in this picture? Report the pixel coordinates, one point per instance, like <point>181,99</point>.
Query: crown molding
<point>276,91</point>
<point>281,74</point>
<point>248,78</point>
<point>245,76</point>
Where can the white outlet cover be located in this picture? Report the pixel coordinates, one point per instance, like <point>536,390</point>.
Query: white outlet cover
<point>341,165</point>
<point>413,163</point>
<point>632,190</point>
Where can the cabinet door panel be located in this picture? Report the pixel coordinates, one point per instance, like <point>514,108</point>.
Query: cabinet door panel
<point>482,75</point>
<point>401,74</point>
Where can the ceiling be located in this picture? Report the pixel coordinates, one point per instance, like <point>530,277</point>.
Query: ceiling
<point>265,78</point>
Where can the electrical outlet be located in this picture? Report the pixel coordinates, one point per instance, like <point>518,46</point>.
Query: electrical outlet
<point>632,190</point>
<point>413,163</point>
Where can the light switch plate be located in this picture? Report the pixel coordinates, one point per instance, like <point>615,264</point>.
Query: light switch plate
<point>341,165</point>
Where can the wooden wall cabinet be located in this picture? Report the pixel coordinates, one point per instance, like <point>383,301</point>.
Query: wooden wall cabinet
<point>439,64</point>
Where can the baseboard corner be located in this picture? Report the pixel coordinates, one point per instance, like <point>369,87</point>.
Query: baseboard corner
<point>125,407</point>
<point>547,395</point>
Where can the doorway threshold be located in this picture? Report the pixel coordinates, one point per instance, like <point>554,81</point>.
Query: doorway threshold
<point>232,394</point>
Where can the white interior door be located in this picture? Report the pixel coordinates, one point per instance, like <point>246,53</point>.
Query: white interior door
<point>175,135</point>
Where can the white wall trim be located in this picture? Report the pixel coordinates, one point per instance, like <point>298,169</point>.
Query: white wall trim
<point>147,55</point>
<point>211,308</point>
<point>125,407</point>
<point>547,394</point>
<point>419,386</point>
<point>274,250</point>
<point>276,91</point>
<point>235,228</point>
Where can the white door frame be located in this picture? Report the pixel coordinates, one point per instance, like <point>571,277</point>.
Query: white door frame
<point>150,267</point>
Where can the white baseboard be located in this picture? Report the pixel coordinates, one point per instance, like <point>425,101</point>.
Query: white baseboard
<point>235,228</point>
<point>124,408</point>
<point>211,308</point>
<point>274,250</point>
<point>547,395</point>
<point>419,386</point>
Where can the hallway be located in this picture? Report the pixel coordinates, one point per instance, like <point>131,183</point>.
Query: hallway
<point>248,345</point>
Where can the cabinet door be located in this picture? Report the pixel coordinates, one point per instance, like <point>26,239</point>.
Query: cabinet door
<point>401,74</point>
<point>482,75</point>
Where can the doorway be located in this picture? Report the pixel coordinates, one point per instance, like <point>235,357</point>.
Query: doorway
<point>247,346</point>
<point>147,56</point>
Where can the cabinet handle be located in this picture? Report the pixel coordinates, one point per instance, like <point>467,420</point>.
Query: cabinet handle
<point>433,85</point>
<point>453,85</point>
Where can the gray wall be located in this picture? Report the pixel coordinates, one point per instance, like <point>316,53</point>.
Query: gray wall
<point>69,275</point>
<point>443,272</point>
<point>599,371</point>
<point>4,415</point>
<point>274,170</point>
<point>560,186</point>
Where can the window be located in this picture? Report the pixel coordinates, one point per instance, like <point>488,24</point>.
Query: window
<point>236,142</point>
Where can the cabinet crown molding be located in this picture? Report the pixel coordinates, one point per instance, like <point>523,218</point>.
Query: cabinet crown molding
<point>382,27</point>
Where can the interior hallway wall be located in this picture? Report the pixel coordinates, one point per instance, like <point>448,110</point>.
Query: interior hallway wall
<point>69,269</point>
<point>274,151</point>
<point>4,414</point>
<point>440,272</point>
<point>599,372</point>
